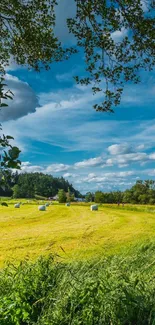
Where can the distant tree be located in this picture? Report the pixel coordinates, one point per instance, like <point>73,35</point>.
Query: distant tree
<point>89,197</point>
<point>68,195</point>
<point>128,196</point>
<point>16,191</point>
<point>62,196</point>
<point>143,199</point>
<point>99,197</point>
<point>151,201</point>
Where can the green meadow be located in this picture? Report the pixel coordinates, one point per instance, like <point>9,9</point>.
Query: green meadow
<point>71,266</point>
<point>73,233</point>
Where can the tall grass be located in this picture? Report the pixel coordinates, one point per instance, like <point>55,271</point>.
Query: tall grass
<point>111,291</point>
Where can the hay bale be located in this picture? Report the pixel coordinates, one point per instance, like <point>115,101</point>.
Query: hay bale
<point>68,204</point>
<point>47,204</point>
<point>94,207</point>
<point>42,208</point>
<point>17,205</point>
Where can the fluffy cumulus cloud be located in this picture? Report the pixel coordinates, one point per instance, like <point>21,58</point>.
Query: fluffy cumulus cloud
<point>126,159</point>
<point>27,167</point>
<point>57,168</point>
<point>70,175</point>
<point>92,162</point>
<point>118,35</point>
<point>117,149</point>
<point>152,156</point>
<point>107,177</point>
<point>24,100</point>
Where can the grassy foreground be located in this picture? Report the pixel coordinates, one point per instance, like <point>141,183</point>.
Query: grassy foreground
<point>117,290</point>
<point>109,277</point>
<point>74,232</point>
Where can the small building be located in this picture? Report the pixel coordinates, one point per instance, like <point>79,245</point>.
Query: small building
<point>55,198</point>
<point>79,199</point>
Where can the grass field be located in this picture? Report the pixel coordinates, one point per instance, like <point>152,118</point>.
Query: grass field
<point>72,232</point>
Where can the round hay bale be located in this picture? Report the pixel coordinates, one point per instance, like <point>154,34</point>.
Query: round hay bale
<point>17,205</point>
<point>42,208</point>
<point>94,207</point>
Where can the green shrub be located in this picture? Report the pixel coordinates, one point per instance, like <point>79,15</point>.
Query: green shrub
<point>113,291</point>
<point>4,204</point>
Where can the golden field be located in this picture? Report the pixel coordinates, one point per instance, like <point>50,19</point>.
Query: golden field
<point>71,232</point>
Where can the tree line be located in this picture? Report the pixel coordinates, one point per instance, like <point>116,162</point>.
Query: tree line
<point>31,185</point>
<point>143,192</point>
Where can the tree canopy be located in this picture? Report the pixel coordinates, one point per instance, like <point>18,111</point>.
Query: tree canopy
<point>143,192</point>
<point>28,35</point>
<point>111,63</point>
<point>31,185</point>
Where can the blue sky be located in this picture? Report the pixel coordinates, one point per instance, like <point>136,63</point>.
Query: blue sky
<point>58,131</point>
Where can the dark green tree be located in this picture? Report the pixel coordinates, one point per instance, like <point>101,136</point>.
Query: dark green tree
<point>89,197</point>
<point>62,196</point>
<point>17,193</point>
<point>99,197</point>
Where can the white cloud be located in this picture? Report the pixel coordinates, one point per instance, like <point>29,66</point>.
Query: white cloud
<point>152,156</point>
<point>56,168</point>
<point>69,175</point>
<point>26,167</point>
<point>125,159</point>
<point>117,149</point>
<point>150,172</point>
<point>111,178</point>
<point>118,35</point>
<point>24,100</point>
<point>92,162</point>
<point>140,147</point>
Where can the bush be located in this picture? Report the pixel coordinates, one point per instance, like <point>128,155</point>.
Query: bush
<point>4,204</point>
<point>117,290</point>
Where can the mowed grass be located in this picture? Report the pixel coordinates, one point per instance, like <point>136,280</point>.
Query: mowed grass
<point>71,232</point>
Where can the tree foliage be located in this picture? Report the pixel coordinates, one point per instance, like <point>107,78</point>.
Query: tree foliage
<point>31,185</point>
<point>143,192</point>
<point>28,36</point>
<point>27,33</point>
<point>8,154</point>
<point>89,197</point>
<point>62,196</point>
<point>110,64</point>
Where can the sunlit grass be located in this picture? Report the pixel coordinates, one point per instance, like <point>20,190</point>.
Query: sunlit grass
<point>72,232</point>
